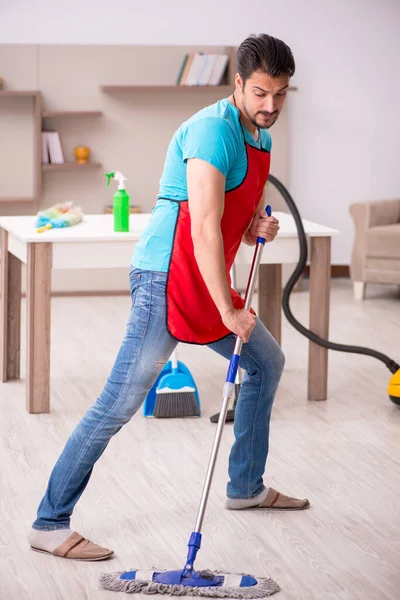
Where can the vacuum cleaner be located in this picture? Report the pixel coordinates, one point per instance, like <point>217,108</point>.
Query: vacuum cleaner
<point>393,366</point>
<point>394,382</point>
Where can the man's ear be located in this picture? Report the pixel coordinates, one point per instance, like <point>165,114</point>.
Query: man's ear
<point>239,81</point>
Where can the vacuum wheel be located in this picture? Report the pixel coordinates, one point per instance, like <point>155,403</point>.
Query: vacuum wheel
<point>230,415</point>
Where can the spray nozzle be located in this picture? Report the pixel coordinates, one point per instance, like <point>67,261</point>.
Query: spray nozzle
<point>118,176</point>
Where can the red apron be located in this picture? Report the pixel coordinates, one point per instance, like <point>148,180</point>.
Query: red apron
<point>192,316</point>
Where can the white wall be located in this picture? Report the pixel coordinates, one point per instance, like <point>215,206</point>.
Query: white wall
<point>345,125</point>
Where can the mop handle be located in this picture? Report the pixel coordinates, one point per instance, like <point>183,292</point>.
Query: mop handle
<point>230,381</point>
<point>233,283</point>
<point>195,538</point>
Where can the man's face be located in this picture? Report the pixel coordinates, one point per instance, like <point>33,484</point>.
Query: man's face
<point>263,97</point>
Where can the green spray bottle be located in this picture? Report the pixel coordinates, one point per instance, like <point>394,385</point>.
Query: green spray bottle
<point>120,202</point>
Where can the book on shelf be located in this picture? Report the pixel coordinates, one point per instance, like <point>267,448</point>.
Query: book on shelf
<point>51,148</point>
<point>202,68</point>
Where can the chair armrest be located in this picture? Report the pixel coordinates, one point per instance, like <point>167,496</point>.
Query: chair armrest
<point>366,215</point>
<point>376,213</point>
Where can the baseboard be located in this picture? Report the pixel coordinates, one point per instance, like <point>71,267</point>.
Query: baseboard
<point>336,271</point>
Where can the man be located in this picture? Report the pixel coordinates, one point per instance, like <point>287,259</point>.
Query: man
<point>211,199</point>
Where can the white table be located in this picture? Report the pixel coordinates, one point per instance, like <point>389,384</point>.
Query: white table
<point>93,244</point>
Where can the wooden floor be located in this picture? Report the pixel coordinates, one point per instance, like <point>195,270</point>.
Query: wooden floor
<point>142,499</point>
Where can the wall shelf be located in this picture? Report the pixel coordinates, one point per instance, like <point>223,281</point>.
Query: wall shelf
<point>19,199</point>
<point>70,166</point>
<point>50,114</point>
<point>164,88</point>
<point>170,88</point>
<point>13,93</point>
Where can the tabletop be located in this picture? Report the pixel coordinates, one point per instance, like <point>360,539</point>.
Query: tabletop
<point>99,228</point>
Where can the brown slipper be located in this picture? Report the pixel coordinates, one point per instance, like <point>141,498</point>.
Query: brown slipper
<point>76,547</point>
<point>277,501</point>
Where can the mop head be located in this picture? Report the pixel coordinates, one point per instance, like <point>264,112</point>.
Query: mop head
<point>214,584</point>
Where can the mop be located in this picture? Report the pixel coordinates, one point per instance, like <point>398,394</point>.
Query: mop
<point>188,581</point>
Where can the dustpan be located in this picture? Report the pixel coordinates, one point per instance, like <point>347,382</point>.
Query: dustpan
<point>174,393</point>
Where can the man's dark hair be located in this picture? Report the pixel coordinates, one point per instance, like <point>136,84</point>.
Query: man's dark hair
<point>264,53</point>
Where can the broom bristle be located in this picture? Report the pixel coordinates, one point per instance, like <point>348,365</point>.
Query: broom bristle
<point>176,404</point>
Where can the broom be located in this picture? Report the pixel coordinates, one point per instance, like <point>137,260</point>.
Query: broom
<point>174,394</point>
<point>187,581</point>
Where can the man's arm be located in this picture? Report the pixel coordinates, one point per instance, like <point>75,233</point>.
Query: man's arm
<point>206,193</point>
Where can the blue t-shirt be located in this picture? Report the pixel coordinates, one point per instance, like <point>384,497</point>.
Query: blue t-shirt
<point>213,134</point>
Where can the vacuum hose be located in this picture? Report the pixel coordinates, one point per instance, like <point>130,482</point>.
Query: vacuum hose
<point>389,362</point>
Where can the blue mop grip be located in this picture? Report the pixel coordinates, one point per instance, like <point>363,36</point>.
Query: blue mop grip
<point>233,367</point>
<point>194,546</point>
<point>268,210</point>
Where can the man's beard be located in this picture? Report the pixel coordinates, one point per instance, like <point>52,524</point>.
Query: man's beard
<point>265,126</point>
<point>254,119</point>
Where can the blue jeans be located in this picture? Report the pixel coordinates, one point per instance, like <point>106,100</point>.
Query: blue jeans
<point>145,349</point>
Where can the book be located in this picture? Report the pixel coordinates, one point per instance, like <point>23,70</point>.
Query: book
<point>44,149</point>
<point>51,148</point>
<point>201,68</point>
<point>181,70</point>
<point>186,68</point>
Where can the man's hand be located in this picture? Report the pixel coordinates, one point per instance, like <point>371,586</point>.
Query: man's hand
<point>261,226</point>
<point>241,322</point>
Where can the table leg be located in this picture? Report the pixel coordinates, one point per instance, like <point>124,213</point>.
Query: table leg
<point>270,298</point>
<point>10,311</point>
<point>320,265</point>
<point>38,302</point>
